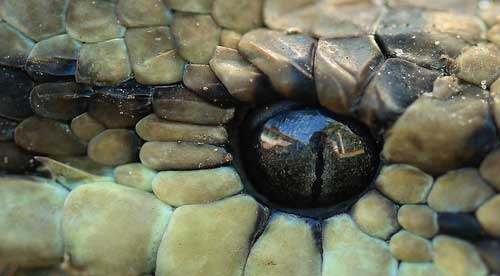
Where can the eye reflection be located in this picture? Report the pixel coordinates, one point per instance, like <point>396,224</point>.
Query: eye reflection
<point>306,158</point>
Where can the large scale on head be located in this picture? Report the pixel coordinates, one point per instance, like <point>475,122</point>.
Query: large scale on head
<point>250,137</point>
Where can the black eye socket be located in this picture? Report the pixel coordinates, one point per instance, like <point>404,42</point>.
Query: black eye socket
<point>300,157</point>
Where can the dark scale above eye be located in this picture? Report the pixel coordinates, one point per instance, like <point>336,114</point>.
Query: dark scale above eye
<point>286,59</point>
<point>305,158</point>
<point>427,38</point>
<point>396,85</point>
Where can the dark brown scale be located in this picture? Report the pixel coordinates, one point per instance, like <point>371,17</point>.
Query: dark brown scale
<point>459,225</point>
<point>15,88</point>
<point>15,159</point>
<point>201,80</point>
<point>177,103</point>
<point>7,128</point>
<point>48,137</point>
<point>395,86</point>
<point>60,101</point>
<point>121,106</point>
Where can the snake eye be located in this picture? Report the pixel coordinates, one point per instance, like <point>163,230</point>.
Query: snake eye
<point>302,157</point>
